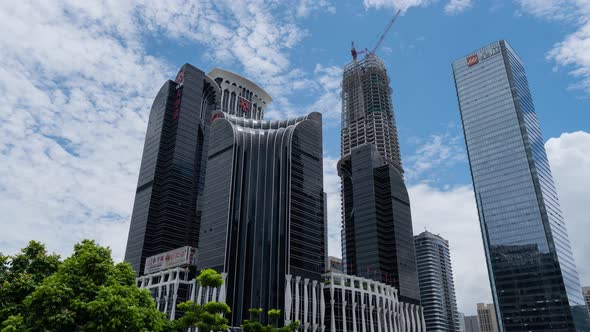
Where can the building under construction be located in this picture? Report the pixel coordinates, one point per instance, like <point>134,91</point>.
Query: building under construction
<point>367,111</point>
<point>377,236</point>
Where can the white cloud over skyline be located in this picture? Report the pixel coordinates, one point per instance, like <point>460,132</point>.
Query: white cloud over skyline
<point>573,52</point>
<point>77,82</point>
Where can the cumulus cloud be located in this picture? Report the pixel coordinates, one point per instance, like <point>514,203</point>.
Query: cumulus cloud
<point>404,5</point>
<point>332,189</point>
<point>440,151</point>
<point>573,52</point>
<point>569,156</point>
<point>76,85</point>
<point>455,7</point>
<point>452,214</point>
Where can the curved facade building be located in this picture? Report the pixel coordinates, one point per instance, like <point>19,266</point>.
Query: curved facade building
<point>240,96</point>
<point>168,206</point>
<point>264,216</point>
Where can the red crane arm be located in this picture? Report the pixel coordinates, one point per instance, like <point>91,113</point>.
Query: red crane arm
<point>385,32</point>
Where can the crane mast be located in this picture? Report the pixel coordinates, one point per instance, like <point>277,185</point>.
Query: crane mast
<point>356,53</point>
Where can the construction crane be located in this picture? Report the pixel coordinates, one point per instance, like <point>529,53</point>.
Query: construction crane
<point>354,52</point>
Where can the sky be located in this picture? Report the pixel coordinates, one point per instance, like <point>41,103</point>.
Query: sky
<point>77,79</point>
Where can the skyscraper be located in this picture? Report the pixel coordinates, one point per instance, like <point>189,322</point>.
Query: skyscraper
<point>437,288</point>
<point>461,322</point>
<point>486,316</point>
<point>586,292</point>
<point>165,214</point>
<point>471,324</point>
<point>168,206</point>
<point>263,223</point>
<point>534,281</point>
<point>377,236</point>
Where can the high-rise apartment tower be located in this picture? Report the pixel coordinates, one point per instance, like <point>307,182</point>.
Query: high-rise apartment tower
<point>533,276</point>
<point>377,236</point>
<point>437,288</point>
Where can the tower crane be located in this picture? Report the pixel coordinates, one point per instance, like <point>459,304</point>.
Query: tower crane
<point>355,53</point>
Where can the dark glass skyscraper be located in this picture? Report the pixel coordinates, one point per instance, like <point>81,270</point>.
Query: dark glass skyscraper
<point>165,214</point>
<point>264,211</point>
<point>168,205</point>
<point>377,236</point>
<point>532,273</point>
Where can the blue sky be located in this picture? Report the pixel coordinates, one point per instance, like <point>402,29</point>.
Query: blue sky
<point>77,80</point>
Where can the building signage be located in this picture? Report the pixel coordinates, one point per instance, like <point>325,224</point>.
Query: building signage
<point>472,60</point>
<point>244,104</point>
<point>483,54</point>
<point>177,104</point>
<point>180,77</point>
<point>488,51</point>
<point>173,258</point>
<point>216,116</point>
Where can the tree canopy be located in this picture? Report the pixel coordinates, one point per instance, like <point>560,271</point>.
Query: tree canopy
<point>21,274</point>
<point>209,316</point>
<point>209,278</point>
<point>254,325</point>
<point>86,292</point>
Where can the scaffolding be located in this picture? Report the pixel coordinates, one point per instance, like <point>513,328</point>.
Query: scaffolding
<point>367,110</point>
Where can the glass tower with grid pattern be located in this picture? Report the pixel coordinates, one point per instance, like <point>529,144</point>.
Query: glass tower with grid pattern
<point>377,235</point>
<point>534,281</point>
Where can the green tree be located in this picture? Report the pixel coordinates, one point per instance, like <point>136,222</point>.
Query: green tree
<point>89,293</point>
<point>274,315</point>
<point>210,278</point>
<point>21,274</point>
<point>207,317</point>
<point>254,325</point>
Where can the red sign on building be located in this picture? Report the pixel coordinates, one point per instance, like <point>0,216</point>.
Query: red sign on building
<point>244,104</point>
<point>472,60</point>
<point>180,77</point>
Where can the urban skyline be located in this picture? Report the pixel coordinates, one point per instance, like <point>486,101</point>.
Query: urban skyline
<point>74,149</point>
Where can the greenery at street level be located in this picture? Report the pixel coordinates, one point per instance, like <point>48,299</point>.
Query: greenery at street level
<point>209,316</point>
<point>254,325</point>
<point>89,292</point>
<point>85,292</point>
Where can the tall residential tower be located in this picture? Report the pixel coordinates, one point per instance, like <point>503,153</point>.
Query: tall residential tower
<point>437,288</point>
<point>533,276</point>
<point>377,236</point>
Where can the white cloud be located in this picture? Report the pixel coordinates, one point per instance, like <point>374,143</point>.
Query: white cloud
<point>332,189</point>
<point>452,214</point>
<point>439,151</point>
<point>574,51</point>
<point>404,5</point>
<point>569,156</point>
<point>454,7</point>
<point>76,85</point>
<point>306,7</point>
